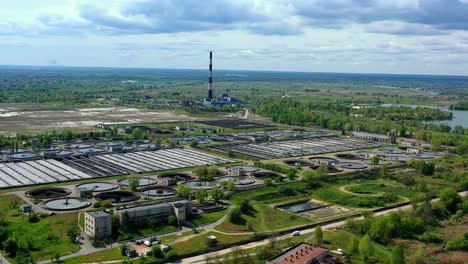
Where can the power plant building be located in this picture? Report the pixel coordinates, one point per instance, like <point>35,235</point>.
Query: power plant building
<point>222,99</point>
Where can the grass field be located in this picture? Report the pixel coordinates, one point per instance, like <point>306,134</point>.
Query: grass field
<point>341,238</point>
<point>147,231</point>
<point>374,188</point>
<point>100,256</point>
<point>199,242</point>
<point>265,217</point>
<point>43,238</point>
<point>205,218</point>
<point>332,194</point>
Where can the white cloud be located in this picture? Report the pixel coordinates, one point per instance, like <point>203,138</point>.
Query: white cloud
<point>334,35</point>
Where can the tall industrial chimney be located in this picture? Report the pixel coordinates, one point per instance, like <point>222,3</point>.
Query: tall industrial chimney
<point>210,78</point>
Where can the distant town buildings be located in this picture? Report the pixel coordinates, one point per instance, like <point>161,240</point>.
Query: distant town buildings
<point>98,224</point>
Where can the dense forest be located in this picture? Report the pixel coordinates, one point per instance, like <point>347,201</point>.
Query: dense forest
<point>130,86</point>
<point>406,120</point>
<point>342,117</point>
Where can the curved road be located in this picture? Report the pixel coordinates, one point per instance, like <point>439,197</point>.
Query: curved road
<point>202,258</point>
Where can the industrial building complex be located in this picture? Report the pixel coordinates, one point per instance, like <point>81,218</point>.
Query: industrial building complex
<point>224,98</point>
<point>42,171</point>
<point>156,212</point>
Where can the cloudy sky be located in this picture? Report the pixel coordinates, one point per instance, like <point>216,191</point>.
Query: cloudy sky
<point>365,36</point>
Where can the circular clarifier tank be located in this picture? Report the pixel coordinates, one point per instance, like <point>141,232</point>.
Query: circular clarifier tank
<point>9,151</point>
<point>396,158</point>
<point>65,204</point>
<point>47,193</point>
<point>351,165</point>
<point>96,186</point>
<point>196,185</point>
<point>323,159</point>
<point>23,156</point>
<point>393,151</point>
<point>265,174</point>
<point>92,151</point>
<point>348,156</point>
<point>297,162</point>
<point>246,169</point>
<point>423,156</point>
<point>158,191</point>
<point>117,196</point>
<point>237,180</point>
<point>144,181</point>
<point>108,144</point>
<point>78,146</point>
<point>173,178</point>
<point>331,169</point>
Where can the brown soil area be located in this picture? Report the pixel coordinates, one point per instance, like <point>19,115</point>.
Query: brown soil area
<point>82,120</point>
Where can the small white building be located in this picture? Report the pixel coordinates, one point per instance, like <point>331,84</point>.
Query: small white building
<point>98,224</point>
<point>413,151</point>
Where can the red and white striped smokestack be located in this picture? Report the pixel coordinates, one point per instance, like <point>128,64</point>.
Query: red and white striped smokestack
<point>210,77</point>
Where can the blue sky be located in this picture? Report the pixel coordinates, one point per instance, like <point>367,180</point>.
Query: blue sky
<point>367,36</point>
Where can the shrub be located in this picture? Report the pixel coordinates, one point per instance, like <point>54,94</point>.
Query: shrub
<point>246,207</point>
<point>287,191</point>
<point>172,220</point>
<point>235,216</point>
<point>268,182</point>
<point>171,256</point>
<point>156,251</point>
<point>429,237</point>
<point>459,244</point>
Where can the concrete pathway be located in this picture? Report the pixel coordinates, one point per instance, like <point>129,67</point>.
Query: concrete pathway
<point>3,260</point>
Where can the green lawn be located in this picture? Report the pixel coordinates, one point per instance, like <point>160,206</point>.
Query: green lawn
<point>381,187</point>
<point>341,238</point>
<point>100,256</point>
<point>205,218</point>
<point>199,242</point>
<point>169,239</point>
<point>147,231</point>
<point>333,195</point>
<point>44,238</point>
<point>265,217</point>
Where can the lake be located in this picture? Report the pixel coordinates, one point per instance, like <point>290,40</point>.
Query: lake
<point>459,117</point>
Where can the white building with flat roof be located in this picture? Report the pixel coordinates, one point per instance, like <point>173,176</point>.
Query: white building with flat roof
<point>98,224</point>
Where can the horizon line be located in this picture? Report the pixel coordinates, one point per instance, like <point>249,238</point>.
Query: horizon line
<point>203,69</point>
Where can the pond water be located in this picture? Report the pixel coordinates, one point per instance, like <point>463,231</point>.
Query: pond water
<point>459,117</point>
<point>300,207</point>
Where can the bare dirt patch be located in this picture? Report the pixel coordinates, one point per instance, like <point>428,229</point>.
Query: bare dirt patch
<point>82,120</point>
<point>325,212</point>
